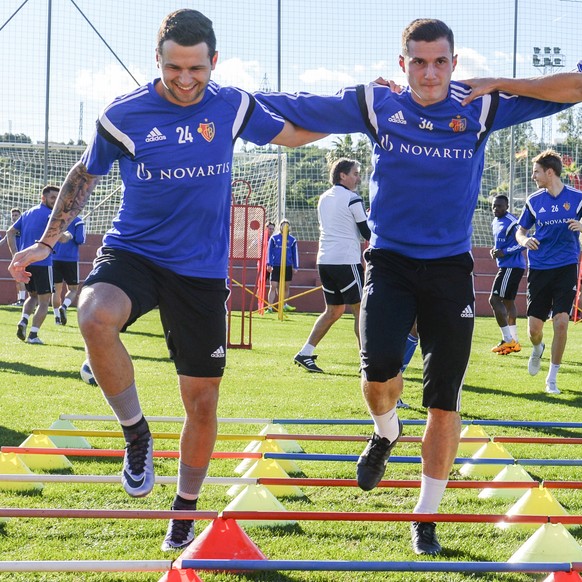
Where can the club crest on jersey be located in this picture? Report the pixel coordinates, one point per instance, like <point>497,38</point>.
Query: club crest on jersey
<point>566,206</point>
<point>207,131</point>
<point>458,124</point>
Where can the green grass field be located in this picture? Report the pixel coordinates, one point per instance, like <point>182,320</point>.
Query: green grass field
<point>38,383</point>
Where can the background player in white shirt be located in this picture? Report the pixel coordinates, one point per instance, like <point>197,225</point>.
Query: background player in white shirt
<point>342,219</point>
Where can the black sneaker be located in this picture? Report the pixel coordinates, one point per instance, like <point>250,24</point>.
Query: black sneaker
<point>180,532</point>
<point>57,320</point>
<point>63,315</point>
<point>307,362</point>
<point>424,540</point>
<point>402,404</point>
<point>21,330</point>
<point>371,465</point>
<point>138,466</point>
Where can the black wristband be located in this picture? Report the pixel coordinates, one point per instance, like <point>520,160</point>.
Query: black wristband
<point>40,242</point>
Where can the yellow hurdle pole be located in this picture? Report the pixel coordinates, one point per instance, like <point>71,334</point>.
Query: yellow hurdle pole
<point>283,268</point>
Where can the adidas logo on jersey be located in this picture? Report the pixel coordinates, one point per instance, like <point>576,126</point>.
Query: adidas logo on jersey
<point>218,353</point>
<point>542,209</point>
<point>467,312</point>
<point>397,118</point>
<point>155,135</point>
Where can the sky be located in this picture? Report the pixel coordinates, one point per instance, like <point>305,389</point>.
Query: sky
<point>324,45</point>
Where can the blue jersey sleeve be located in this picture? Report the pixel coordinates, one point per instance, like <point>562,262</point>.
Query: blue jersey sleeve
<point>339,113</point>
<point>512,109</point>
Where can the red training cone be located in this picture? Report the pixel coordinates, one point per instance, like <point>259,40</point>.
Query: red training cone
<point>180,575</point>
<point>563,577</point>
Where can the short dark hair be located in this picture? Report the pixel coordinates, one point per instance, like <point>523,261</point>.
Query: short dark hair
<point>549,159</point>
<point>427,30</point>
<point>503,197</point>
<point>49,188</point>
<point>187,28</point>
<point>341,166</point>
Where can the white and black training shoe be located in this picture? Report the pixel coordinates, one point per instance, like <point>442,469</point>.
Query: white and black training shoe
<point>307,362</point>
<point>138,466</point>
<point>180,532</point>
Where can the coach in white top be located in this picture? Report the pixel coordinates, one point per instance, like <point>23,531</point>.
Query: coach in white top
<point>342,219</point>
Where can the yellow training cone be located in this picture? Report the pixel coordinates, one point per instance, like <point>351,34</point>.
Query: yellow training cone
<point>269,468</point>
<point>537,501</point>
<point>11,464</point>
<point>42,441</point>
<point>550,543</point>
<point>469,449</point>
<point>288,446</point>
<point>509,473</point>
<point>487,451</point>
<point>68,442</point>
<point>257,498</point>
<point>267,446</point>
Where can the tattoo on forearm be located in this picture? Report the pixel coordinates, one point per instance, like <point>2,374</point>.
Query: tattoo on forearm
<point>75,192</point>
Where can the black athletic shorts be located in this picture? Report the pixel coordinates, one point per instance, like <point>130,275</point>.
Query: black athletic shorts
<point>67,271</point>
<point>342,284</point>
<point>41,279</point>
<point>551,290</point>
<point>276,274</point>
<point>507,282</point>
<point>439,294</point>
<point>192,309</point>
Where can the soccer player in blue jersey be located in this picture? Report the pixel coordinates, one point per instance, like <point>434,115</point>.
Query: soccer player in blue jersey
<point>428,153</point>
<point>508,254</point>
<point>274,256</point>
<point>553,252</point>
<point>30,227</point>
<point>168,246</point>
<point>15,214</point>
<point>66,269</point>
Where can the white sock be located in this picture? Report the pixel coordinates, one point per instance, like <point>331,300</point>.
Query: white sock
<point>537,350</point>
<point>506,333</point>
<point>513,329</point>
<point>553,373</point>
<point>307,350</point>
<point>386,425</point>
<point>66,303</point>
<point>22,295</point>
<point>26,317</point>
<point>431,493</point>
<point>56,311</point>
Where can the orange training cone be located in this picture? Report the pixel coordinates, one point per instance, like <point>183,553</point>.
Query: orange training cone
<point>180,575</point>
<point>537,501</point>
<point>563,577</point>
<point>550,543</point>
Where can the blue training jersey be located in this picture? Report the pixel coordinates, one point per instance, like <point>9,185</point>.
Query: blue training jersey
<point>504,229</point>
<point>69,251</point>
<point>427,162</point>
<point>559,246</point>
<point>31,226</point>
<point>176,167</point>
<point>276,249</point>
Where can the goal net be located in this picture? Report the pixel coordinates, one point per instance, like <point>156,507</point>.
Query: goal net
<point>22,176</point>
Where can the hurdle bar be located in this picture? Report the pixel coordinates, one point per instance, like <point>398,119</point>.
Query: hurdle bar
<point>418,459</point>
<point>158,479</point>
<point>360,566</point>
<point>107,513</point>
<point>395,516</point>
<point>339,421</point>
<point>86,566</point>
<point>72,452</point>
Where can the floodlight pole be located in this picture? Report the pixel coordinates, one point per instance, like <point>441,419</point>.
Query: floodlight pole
<point>512,130</point>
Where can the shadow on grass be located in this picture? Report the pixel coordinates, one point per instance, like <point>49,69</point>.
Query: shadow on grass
<point>29,370</point>
<point>9,437</point>
<point>540,397</point>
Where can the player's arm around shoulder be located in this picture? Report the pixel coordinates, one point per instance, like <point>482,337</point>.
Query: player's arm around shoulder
<point>559,88</point>
<point>293,136</point>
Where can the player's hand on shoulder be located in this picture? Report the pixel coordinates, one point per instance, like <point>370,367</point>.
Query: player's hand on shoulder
<point>479,87</point>
<point>394,87</point>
